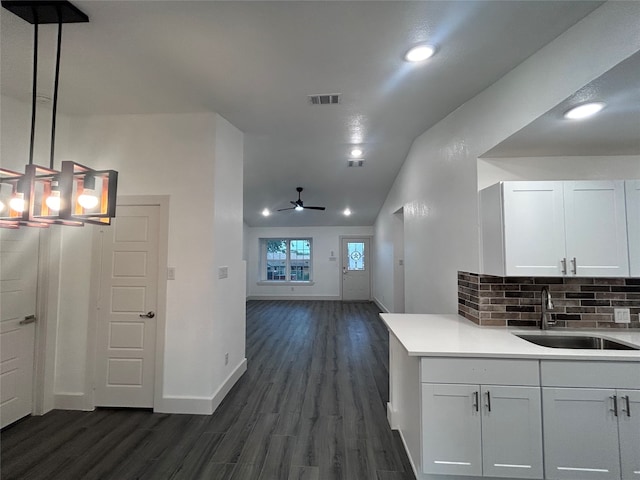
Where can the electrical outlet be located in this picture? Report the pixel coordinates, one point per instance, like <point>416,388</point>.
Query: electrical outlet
<point>226,359</point>
<point>622,315</point>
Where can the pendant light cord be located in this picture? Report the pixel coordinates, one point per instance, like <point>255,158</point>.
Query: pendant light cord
<point>55,91</point>
<point>35,85</point>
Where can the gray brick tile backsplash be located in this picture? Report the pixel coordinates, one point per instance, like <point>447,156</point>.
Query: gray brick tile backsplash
<point>515,301</point>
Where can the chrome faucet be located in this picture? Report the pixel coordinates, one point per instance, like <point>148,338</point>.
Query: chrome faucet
<point>545,305</point>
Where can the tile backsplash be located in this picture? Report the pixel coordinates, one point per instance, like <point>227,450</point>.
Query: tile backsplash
<point>586,302</point>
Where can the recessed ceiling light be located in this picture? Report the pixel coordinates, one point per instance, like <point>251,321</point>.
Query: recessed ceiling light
<point>583,111</point>
<point>346,212</point>
<point>420,53</point>
<point>266,212</point>
<point>356,153</point>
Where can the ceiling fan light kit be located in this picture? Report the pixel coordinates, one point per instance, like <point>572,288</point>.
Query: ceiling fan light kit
<point>298,205</point>
<point>44,196</point>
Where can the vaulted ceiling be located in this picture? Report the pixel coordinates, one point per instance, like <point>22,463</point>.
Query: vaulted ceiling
<point>255,63</point>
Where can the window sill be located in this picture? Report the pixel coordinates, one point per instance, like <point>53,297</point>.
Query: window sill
<point>281,283</point>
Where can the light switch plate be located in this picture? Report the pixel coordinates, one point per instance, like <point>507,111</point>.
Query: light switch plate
<point>223,272</point>
<point>622,315</point>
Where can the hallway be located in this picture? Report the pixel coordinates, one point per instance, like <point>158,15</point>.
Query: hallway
<point>312,406</point>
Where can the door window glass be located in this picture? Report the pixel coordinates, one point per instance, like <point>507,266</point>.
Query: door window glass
<point>356,256</point>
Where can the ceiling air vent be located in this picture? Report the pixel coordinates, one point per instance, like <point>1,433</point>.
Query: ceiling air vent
<point>356,162</point>
<point>325,99</point>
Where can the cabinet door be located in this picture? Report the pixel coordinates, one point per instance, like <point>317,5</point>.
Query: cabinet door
<point>533,228</point>
<point>632,190</point>
<point>596,228</point>
<point>511,432</point>
<point>451,429</point>
<point>580,434</point>
<point>629,429</point>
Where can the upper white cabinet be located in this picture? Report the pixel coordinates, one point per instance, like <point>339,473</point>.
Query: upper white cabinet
<point>576,228</point>
<point>632,188</point>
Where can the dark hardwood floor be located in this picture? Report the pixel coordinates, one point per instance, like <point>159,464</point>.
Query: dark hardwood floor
<point>311,406</point>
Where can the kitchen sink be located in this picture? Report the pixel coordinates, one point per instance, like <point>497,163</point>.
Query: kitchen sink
<point>576,341</point>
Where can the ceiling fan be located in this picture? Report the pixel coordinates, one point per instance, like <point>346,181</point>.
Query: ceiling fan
<point>299,204</point>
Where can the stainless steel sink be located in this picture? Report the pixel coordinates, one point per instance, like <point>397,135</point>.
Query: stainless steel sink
<point>576,341</point>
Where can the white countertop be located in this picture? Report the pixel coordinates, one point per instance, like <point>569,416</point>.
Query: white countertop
<point>455,336</point>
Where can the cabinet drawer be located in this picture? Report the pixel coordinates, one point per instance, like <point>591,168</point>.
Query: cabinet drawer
<point>480,371</point>
<point>558,373</point>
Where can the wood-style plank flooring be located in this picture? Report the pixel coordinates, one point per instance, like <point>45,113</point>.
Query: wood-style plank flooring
<point>311,406</point>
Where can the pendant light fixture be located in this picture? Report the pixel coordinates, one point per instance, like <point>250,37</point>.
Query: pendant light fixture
<point>44,196</point>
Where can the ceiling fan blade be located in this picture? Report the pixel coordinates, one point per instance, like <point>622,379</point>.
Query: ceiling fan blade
<point>283,209</point>
<point>314,208</point>
<point>293,203</point>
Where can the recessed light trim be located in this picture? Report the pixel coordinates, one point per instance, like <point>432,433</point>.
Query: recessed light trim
<point>420,53</point>
<point>356,152</point>
<point>585,110</point>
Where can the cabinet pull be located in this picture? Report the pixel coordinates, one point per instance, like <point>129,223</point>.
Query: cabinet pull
<point>476,401</point>
<point>626,400</point>
<point>564,265</point>
<point>615,405</point>
<point>574,269</point>
<point>488,400</point>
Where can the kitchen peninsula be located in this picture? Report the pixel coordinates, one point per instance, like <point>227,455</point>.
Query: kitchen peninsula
<point>474,401</point>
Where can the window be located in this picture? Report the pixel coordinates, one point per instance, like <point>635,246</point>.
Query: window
<point>286,259</point>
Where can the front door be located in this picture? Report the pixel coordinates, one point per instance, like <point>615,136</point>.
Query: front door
<point>356,269</point>
<point>126,330</point>
<point>18,281</point>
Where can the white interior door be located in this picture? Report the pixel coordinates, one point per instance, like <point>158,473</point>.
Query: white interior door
<point>18,281</point>
<point>356,269</point>
<point>126,330</point>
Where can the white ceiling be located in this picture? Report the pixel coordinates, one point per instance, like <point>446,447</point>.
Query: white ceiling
<point>614,131</point>
<point>255,63</point>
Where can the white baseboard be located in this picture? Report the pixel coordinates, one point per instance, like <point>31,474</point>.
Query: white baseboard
<point>380,305</point>
<point>406,449</point>
<point>390,415</point>
<point>202,405</point>
<point>225,388</point>
<point>71,401</point>
<point>295,297</point>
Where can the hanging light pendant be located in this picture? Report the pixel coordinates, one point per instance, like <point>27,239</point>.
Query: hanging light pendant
<point>88,195</point>
<point>44,196</point>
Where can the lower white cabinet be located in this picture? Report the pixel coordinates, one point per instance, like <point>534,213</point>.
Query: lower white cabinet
<point>591,433</point>
<point>482,430</point>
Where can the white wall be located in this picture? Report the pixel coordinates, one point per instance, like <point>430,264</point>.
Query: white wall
<point>196,159</point>
<point>437,185</point>
<point>326,273</point>
<point>493,170</point>
<point>229,316</point>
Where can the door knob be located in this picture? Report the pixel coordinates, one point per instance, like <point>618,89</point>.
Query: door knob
<point>148,315</point>
<point>28,319</point>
